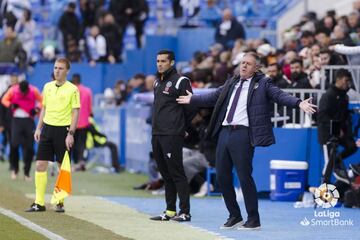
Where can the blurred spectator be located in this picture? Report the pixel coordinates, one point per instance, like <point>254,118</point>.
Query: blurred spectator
<point>274,72</point>
<point>299,78</point>
<point>11,50</point>
<point>149,83</point>
<point>112,33</point>
<point>120,92</point>
<point>70,28</point>
<point>136,85</point>
<point>89,10</point>
<point>83,122</point>
<point>222,69</point>
<point>290,41</point>
<point>340,36</point>
<point>215,51</point>
<point>48,51</point>
<point>210,14</point>
<point>315,50</point>
<point>288,58</point>
<point>354,26</point>
<point>267,54</point>
<point>329,22</point>
<point>25,28</point>
<point>24,101</point>
<point>322,36</point>
<point>109,98</point>
<point>5,116</point>
<point>17,7</point>
<point>190,9</point>
<point>307,22</point>
<point>177,9</point>
<point>314,72</point>
<point>229,30</point>
<point>307,39</point>
<point>95,46</point>
<point>130,11</point>
<point>96,139</point>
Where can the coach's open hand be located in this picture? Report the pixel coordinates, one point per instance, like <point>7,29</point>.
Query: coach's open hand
<point>307,106</point>
<point>185,99</point>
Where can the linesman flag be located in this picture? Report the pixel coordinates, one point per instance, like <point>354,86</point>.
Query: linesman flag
<point>63,183</point>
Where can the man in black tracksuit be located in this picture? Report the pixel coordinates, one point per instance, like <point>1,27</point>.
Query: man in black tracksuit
<point>169,120</point>
<point>334,107</point>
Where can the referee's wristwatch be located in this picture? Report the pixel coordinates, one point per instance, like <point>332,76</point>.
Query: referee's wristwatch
<point>71,132</point>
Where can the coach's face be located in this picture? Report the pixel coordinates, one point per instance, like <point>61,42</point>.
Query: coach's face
<point>60,71</point>
<point>163,63</point>
<point>247,67</point>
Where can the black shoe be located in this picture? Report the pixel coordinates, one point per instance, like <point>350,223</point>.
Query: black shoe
<point>59,208</point>
<point>232,222</point>
<point>341,175</point>
<point>182,218</point>
<point>161,217</point>
<point>250,226</point>
<point>355,169</point>
<point>36,208</point>
<point>141,187</point>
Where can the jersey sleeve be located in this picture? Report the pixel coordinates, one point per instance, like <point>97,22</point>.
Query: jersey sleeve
<point>75,99</point>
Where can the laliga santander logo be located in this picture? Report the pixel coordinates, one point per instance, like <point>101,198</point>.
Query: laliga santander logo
<point>326,196</point>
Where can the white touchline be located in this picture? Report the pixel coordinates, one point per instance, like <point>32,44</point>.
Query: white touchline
<point>30,225</point>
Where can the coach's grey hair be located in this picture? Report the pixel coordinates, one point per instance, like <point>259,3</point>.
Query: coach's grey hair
<point>256,57</point>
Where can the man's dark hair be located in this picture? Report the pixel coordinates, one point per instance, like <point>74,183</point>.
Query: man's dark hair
<point>275,64</point>
<point>24,86</point>
<point>72,5</point>
<point>325,50</point>
<point>139,75</point>
<point>341,73</point>
<point>169,53</point>
<point>297,60</point>
<point>323,30</point>
<point>307,34</point>
<point>76,78</point>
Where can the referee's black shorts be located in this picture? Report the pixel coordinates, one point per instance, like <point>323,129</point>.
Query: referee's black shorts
<point>52,143</point>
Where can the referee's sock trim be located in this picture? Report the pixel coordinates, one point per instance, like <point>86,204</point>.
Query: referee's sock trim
<point>170,213</point>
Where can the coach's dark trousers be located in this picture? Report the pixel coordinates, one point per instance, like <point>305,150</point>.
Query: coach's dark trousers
<point>234,150</point>
<point>167,152</point>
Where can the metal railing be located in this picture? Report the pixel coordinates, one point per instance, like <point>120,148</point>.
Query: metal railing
<point>295,118</point>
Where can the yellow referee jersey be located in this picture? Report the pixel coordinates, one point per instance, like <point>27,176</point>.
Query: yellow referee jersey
<point>59,102</point>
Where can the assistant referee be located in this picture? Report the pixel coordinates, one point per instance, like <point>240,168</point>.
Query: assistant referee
<point>55,129</point>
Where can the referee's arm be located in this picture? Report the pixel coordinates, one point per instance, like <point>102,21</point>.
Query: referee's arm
<point>39,125</point>
<point>69,141</point>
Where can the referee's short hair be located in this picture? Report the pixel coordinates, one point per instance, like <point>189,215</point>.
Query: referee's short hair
<point>171,54</point>
<point>65,61</point>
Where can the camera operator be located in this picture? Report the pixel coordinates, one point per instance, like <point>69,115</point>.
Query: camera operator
<point>334,125</point>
